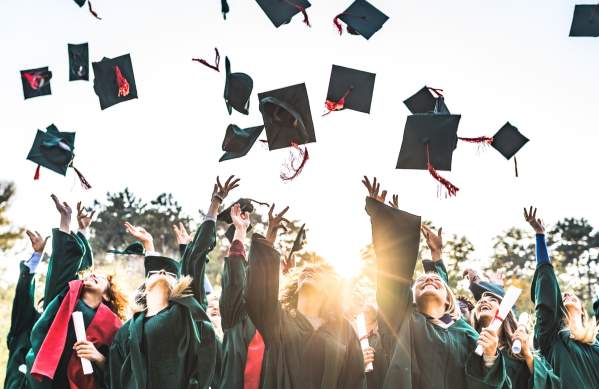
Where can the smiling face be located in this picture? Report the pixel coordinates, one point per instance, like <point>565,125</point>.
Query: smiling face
<point>486,308</point>
<point>96,283</point>
<point>160,277</point>
<point>430,286</point>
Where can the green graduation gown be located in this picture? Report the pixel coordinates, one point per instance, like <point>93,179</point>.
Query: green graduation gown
<point>175,348</point>
<point>577,364</point>
<point>23,317</point>
<point>423,355</point>
<point>297,355</point>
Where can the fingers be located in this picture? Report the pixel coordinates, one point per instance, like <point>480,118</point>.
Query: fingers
<point>272,207</point>
<point>56,201</point>
<point>282,213</point>
<point>228,182</point>
<point>31,235</point>
<point>439,233</point>
<point>79,210</point>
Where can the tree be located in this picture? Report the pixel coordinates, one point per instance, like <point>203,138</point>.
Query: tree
<point>8,234</point>
<point>513,255</point>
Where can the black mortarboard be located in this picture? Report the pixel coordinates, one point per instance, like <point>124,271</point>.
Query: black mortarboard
<point>508,140</point>
<point>135,248</point>
<point>281,11</point>
<point>224,8</point>
<point>362,18</point>
<point>238,142</point>
<point>78,62</point>
<point>480,287</point>
<point>287,116</point>
<point>350,89</point>
<point>157,263</point>
<point>585,21</point>
<point>114,81</point>
<point>424,101</point>
<point>53,149</point>
<point>298,244</point>
<point>80,2</point>
<point>238,90</point>
<point>246,205</point>
<point>36,82</point>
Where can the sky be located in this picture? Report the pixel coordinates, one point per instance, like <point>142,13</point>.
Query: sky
<point>497,61</point>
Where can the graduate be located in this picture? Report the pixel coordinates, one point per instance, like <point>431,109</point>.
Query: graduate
<point>54,358</point>
<point>429,344</point>
<point>375,353</point>
<point>170,342</point>
<point>564,333</point>
<point>23,317</point>
<point>309,344</point>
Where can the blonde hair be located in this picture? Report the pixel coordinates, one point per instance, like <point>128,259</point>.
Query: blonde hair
<point>181,289</point>
<point>587,334</point>
<point>452,307</point>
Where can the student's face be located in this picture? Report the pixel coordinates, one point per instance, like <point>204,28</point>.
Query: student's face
<point>160,277</point>
<point>311,278</point>
<point>486,308</point>
<point>430,285</point>
<point>96,283</point>
<point>572,303</point>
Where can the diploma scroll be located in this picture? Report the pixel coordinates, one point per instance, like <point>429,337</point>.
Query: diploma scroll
<point>363,335</point>
<point>80,335</point>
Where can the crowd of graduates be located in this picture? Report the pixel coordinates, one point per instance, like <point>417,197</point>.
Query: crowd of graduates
<point>288,327</point>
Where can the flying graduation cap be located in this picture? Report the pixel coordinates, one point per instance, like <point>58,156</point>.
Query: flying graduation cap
<point>238,142</point>
<point>349,89</point>
<point>238,90</point>
<point>282,11</point>
<point>224,8</point>
<point>585,21</point>
<point>427,100</point>
<point>429,140</point>
<point>78,62</point>
<point>36,82</point>
<point>361,18</point>
<point>114,81</point>
<point>54,150</point>
<point>135,248</point>
<point>246,205</point>
<point>288,123</point>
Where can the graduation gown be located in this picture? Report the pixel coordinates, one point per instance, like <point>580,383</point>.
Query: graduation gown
<point>376,377</point>
<point>23,317</point>
<point>175,348</point>
<point>297,355</point>
<point>577,364</point>
<point>69,256</point>
<point>422,354</point>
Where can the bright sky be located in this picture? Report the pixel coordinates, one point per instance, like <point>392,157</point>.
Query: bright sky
<point>497,61</point>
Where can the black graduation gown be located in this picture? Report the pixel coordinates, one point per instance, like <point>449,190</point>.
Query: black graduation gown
<point>423,355</point>
<point>297,355</point>
<point>177,348</point>
<point>23,317</point>
<point>376,377</point>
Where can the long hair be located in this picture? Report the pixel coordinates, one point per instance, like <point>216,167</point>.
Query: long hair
<point>587,334</point>
<point>332,309</point>
<point>452,306</point>
<point>117,300</point>
<point>508,328</point>
<point>181,289</point>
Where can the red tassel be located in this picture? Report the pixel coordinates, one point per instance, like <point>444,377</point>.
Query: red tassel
<point>437,91</point>
<point>91,11</point>
<point>84,183</point>
<point>295,171</point>
<point>338,24</point>
<point>122,83</point>
<point>36,176</point>
<point>302,9</point>
<point>452,190</point>
<point>35,80</point>
<point>480,139</point>
<point>205,63</point>
<point>336,105</point>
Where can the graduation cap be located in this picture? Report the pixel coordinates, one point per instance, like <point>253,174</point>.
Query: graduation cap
<point>238,89</point>
<point>114,81</point>
<point>349,89</point>
<point>481,287</point>
<point>238,142</point>
<point>361,18</point>
<point>427,100</point>
<point>299,242</point>
<point>585,21</point>
<point>282,11</point>
<point>428,144</point>
<point>78,62</point>
<point>246,205</point>
<point>135,248</point>
<point>157,263</point>
<point>81,3</point>
<point>36,82</point>
<point>54,150</point>
<point>288,123</point>
<point>224,8</point>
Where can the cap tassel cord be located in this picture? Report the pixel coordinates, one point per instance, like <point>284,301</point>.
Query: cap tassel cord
<point>303,154</point>
<point>302,9</point>
<point>437,91</point>
<point>35,80</point>
<point>84,183</point>
<point>337,23</point>
<point>480,139</point>
<point>36,176</point>
<point>224,6</point>
<point>452,190</point>
<point>205,63</point>
<point>121,82</point>
<point>91,10</point>
<point>336,105</point>
<point>516,166</point>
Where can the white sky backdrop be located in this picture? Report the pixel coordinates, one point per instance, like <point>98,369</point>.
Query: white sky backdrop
<point>497,61</point>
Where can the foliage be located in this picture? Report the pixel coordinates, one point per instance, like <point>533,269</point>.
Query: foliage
<point>8,233</point>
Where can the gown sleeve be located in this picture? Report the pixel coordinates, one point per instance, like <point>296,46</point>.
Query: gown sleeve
<point>87,261</point>
<point>546,295</point>
<point>64,263</point>
<point>232,300</point>
<point>116,362</point>
<point>262,289</point>
<point>195,257</point>
<point>23,314</point>
<point>543,376</point>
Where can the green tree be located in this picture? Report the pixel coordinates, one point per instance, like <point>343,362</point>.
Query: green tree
<point>8,233</point>
<point>513,254</point>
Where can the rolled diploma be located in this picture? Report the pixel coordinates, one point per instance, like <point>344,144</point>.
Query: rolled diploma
<point>508,301</point>
<point>362,334</point>
<point>80,335</point>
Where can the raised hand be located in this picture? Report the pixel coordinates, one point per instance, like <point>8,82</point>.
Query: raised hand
<point>37,241</point>
<point>86,349</point>
<point>489,341</point>
<point>141,235</point>
<point>65,214</point>
<point>181,234</point>
<point>275,223</point>
<point>84,218</point>
<point>368,353</point>
<point>433,241</point>
<point>373,189</point>
<point>470,275</point>
<point>241,220</point>
<point>536,224</point>
<point>221,191</point>
<point>394,202</point>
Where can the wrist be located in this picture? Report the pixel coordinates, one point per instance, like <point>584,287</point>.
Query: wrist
<point>149,246</point>
<point>436,255</point>
<point>240,234</point>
